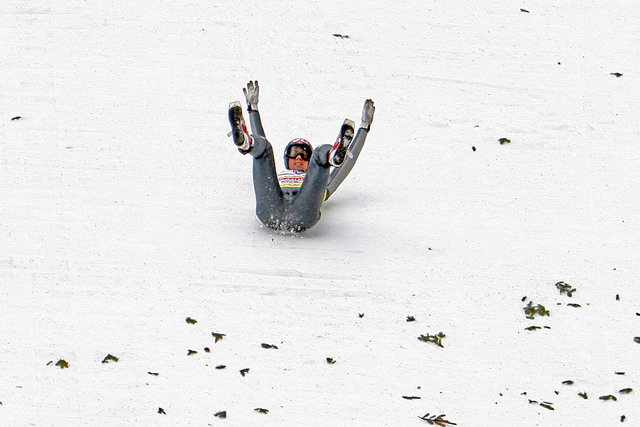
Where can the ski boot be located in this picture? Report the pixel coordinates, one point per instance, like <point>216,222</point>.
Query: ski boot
<point>339,151</point>
<point>241,136</point>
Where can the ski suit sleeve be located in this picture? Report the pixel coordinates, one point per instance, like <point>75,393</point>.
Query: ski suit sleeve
<point>256,123</point>
<point>339,174</point>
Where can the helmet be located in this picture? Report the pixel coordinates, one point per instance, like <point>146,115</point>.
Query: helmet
<point>298,142</point>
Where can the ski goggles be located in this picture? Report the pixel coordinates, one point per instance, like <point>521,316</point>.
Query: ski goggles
<point>299,150</point>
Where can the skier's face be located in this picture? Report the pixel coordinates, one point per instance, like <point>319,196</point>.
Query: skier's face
<point>298,156</point>
<point>298,163</point>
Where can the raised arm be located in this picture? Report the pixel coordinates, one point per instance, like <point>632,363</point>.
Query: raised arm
<point>339,174</point>
<point>251,93</point>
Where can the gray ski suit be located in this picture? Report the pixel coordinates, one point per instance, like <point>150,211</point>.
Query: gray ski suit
<point>295,208</point>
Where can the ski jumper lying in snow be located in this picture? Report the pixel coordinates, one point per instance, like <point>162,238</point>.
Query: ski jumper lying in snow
<point>291,200</point>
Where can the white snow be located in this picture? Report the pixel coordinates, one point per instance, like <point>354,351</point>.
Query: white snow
<point>125,209</point>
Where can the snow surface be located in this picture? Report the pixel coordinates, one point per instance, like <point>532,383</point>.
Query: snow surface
<point>125,209</point>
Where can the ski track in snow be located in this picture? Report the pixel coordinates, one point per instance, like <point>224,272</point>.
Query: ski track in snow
<point>125,209</point>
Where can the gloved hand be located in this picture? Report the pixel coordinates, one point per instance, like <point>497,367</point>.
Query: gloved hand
<point>367,114</point>
<point>251,94</point>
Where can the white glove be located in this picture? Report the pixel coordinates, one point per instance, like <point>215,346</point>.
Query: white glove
<point>251,94</point>
<point>367,114</point>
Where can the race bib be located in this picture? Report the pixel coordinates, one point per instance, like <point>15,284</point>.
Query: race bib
<point>291,179</point>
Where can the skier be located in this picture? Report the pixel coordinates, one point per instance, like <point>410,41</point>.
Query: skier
<point>291,200</point>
